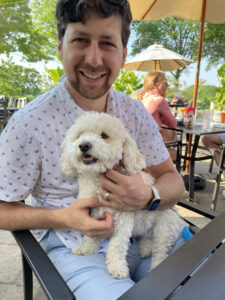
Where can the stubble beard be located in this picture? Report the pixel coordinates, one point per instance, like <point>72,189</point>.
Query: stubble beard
<point>92,93</point>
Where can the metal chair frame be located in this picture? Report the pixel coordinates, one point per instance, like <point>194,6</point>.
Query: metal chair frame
<point>219,173</point>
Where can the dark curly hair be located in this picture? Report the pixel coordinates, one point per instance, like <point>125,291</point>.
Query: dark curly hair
<point>72,11</point>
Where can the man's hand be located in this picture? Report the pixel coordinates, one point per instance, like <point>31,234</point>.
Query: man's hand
<point>76,216</point>
<point>127,193</point>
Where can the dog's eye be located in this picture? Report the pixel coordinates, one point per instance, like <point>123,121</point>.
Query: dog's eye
<point>104,135</point>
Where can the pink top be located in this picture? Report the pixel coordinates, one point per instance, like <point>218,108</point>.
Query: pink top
<point>157,106</point>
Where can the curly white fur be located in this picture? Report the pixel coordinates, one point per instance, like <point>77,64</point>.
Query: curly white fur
<point>97,142</point>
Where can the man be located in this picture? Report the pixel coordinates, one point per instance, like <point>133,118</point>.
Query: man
<point>92,44</point>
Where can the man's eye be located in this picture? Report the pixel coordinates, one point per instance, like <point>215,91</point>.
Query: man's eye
<point>104,135</point>
<point>80,40</point>
<point>108,44</point>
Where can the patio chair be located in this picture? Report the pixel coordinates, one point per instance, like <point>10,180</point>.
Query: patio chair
<point>3,113</point>
<point>220,169</point>
<point>173,274</point>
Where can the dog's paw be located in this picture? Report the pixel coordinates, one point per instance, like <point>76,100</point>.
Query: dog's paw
<point>120,272</point>
<point>145,247</point>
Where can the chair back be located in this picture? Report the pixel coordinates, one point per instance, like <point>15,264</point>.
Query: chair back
<point>3,113</point>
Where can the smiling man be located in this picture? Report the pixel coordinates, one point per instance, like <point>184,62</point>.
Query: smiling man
<point>93,36</point>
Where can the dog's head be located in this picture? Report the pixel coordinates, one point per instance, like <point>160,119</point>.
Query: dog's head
<point>96,143</point>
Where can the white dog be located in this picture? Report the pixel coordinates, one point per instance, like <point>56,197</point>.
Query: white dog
<point>97,142</point>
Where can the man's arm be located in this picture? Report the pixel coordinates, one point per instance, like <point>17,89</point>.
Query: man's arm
<point>16,216</point>
<point>129,193</point>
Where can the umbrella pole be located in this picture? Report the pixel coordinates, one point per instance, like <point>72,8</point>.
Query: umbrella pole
<point>197,75</point>
<point>199,53</point>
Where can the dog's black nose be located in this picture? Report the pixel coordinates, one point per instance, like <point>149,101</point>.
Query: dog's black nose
<point>85,147</point>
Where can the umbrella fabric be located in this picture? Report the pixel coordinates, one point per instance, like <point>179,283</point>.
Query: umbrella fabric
<point>156,57</point>
<point>186,9</point>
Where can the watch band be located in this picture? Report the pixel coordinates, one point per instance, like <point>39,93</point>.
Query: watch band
<point>155,200</point>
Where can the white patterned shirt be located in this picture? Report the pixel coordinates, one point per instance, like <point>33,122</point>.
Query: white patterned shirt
<point>30,149</point>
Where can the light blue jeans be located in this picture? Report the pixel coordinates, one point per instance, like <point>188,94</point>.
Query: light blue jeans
<point>87,276</point>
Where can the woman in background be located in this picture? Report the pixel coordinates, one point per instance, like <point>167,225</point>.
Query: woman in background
<point>154,99</point>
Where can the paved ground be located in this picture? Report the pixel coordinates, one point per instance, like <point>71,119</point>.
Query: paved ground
<point>11,281</point>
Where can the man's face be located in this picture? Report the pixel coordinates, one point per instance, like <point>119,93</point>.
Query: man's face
<point>92,55</point>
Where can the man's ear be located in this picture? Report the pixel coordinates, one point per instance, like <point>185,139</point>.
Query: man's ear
<point>124,57</point>
<point>60,49</point>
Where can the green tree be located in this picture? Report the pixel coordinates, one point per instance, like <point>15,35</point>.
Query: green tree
<point>220,91</point>
<point>55,74</point>
<point>206,94</point>
<point>213,44</point>
<point>128,82</point>
<point>18,32</point>
<point>44,22</point>
<point>17,81</point>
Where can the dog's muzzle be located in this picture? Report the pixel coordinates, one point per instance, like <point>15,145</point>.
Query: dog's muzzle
<point>87,158</point>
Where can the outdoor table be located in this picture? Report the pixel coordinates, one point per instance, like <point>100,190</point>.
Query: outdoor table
<point>183,276</point>
<point>196,132</point>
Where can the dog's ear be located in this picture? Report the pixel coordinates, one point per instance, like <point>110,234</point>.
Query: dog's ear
<point>66,162</point>
<point>132,159</point>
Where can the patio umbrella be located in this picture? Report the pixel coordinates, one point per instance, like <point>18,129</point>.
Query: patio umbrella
<point>156,57</point>
<point>211,11</point>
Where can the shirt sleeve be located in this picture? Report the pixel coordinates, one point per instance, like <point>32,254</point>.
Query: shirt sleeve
<point>20,162</point>
<point>167,117</point>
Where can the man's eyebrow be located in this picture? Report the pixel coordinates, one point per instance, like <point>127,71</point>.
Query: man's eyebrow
<point>78,32</point>
<point>85,34</point>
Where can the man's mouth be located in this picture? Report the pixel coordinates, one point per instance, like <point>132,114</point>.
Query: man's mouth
<point>92,76</point>
<point>88,159</point>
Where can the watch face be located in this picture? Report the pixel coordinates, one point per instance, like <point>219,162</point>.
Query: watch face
<point>155,204</point>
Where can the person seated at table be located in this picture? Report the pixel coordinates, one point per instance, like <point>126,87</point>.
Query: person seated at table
<point>177,99</point>
<point>154,100</point>
<point>214,141</point>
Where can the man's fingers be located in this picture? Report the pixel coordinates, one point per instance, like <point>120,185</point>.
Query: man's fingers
<point>101,228</point>
<point>114,176</point>
<point>90,202</point>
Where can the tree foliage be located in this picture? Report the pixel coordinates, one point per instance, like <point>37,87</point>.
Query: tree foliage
<point>220,95</point>
<point>206,94</point>
<point>44,22</point>
<point>29,29</point>
<point>128,82</point>
<point>213,44</point>
<point>17,81</point>
<point>55,74</point>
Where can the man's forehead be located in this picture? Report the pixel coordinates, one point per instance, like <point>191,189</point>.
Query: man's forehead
<point>107,28</point>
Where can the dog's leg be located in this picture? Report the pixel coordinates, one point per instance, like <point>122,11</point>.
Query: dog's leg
<point>116,255</point>
<point>145,246</point>
<point>88,247</point>
<point>165,234</point>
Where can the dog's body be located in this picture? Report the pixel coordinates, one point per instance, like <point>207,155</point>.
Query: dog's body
<point>97,143</point>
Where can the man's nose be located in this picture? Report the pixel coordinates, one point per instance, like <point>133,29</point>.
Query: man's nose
<point>94,55</point>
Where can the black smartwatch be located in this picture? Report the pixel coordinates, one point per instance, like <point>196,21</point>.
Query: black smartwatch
<point>155,200</point>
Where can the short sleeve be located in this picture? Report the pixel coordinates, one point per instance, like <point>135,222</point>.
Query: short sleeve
<point>20,161</point>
